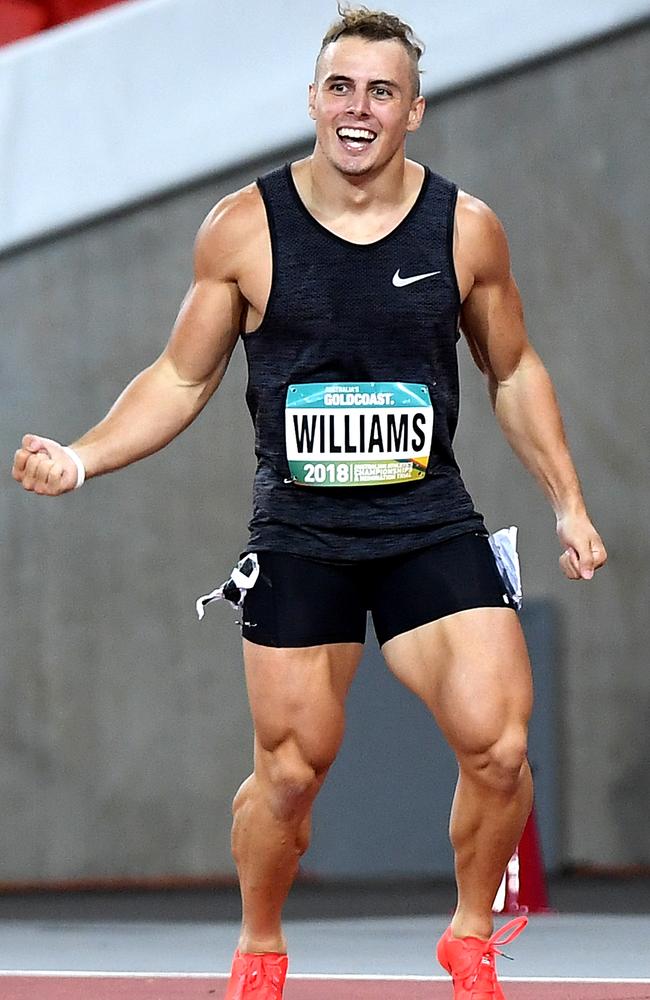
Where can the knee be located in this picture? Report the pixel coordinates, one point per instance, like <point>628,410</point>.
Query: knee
<point>503,765</point>
<point>291,785</point>
<point>287,781</point>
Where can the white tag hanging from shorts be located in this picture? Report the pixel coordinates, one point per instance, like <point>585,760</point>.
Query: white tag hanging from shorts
<point>504,547</point>
<point>243,577</point>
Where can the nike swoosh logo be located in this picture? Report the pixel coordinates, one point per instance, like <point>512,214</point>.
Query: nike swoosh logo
<point>400,282</point>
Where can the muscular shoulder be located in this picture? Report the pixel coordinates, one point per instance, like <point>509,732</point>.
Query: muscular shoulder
<point>482,245</point>
<point>228,233</point>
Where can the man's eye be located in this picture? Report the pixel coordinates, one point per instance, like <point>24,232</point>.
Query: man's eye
<point>382,92</point>
<point>338,88</point>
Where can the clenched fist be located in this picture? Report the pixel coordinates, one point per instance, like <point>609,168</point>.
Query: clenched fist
<point>43,466</point>
<point>584,551</point>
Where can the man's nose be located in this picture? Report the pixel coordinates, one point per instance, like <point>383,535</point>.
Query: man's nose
<point>359,103</point>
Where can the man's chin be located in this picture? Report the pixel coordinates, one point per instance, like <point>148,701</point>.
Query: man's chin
<point>353,167</point>
<point>357,171</point>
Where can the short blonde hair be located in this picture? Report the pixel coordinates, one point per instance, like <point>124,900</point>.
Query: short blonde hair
<point>376,26</point>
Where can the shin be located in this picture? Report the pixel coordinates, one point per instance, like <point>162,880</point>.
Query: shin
<point>271,826</point>
<point>490,808</point>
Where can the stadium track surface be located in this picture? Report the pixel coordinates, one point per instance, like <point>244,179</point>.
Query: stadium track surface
<point>206,987</point>
<point>181,945</point>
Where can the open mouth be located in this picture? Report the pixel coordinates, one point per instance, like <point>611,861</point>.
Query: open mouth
<point>355,138</point>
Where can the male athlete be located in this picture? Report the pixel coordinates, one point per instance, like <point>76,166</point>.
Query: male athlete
<point>347,275</point>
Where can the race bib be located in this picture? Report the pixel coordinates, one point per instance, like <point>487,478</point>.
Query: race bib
<point>367,434</point>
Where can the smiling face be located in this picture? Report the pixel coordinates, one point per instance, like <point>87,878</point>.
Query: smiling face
<point>363,103</point>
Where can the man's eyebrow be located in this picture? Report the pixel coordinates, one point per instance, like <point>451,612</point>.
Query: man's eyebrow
<point>341,78</point>
<point>393,84</point>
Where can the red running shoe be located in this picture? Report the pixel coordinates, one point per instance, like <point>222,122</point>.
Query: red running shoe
<point>470,961</point>
<point>258,977</point>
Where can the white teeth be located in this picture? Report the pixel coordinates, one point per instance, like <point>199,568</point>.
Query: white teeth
<point>355,133</point>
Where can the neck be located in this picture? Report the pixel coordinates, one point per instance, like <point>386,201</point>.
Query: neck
<point>352,193</point>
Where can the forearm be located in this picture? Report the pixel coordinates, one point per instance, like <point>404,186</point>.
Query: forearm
<point>527,410</point>
<point>153,409</point>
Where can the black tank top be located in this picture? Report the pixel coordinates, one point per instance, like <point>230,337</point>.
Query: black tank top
<point>348,316</point>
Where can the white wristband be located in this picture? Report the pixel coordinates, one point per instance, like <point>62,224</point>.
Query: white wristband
<point>81,472</point>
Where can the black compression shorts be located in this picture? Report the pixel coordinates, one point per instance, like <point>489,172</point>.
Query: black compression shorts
<point>298,601</point>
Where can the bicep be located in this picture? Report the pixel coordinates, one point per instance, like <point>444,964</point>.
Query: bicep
<point>205,331</point>
<point>210,317</point>
<point>492,320</point>
<point>492,316</point>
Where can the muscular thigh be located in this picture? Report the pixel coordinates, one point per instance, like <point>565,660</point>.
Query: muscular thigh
<point>472,671</point>
<point>304,627</point>
<point>297,697</point>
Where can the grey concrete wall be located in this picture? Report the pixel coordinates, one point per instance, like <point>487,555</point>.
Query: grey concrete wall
<point>125,727</point>
<point>124,724</point>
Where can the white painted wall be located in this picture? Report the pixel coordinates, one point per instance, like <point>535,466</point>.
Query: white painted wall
<point>116,107</point>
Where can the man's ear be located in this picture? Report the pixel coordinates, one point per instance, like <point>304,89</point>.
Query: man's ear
<point>312,100</point>
<point>416,113</point>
